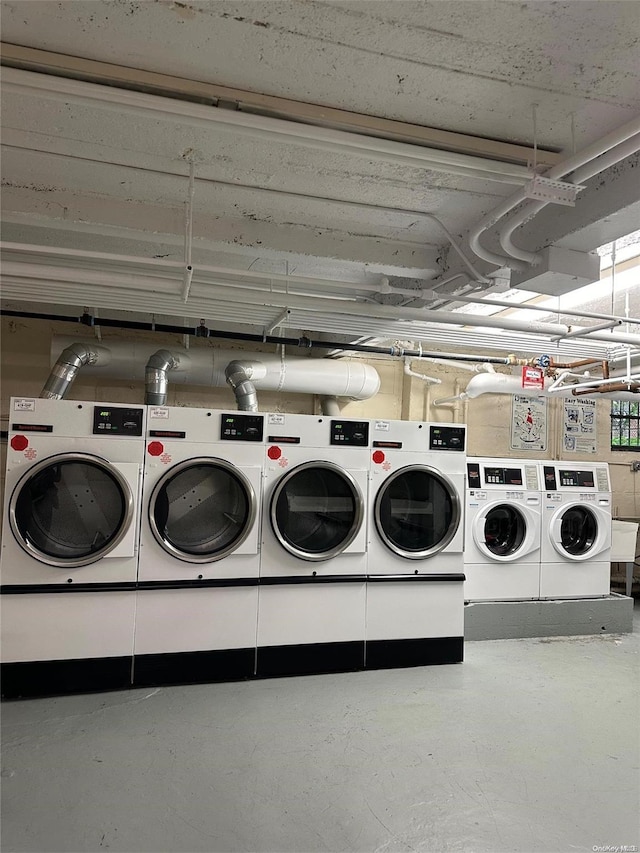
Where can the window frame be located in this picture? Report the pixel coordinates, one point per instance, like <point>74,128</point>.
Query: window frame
<point>625,419</point>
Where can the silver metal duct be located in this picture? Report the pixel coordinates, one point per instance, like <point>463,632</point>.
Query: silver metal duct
<point>66,368</point>
<point>156,382</point>
<point>238,375</point>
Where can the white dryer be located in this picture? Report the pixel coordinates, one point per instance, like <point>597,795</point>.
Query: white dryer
<point>576,530</point>
<point>415,601</point>
<point>314,540</point>
<point>199,546</point>
<point>502,530</point>
<point>70,545</point>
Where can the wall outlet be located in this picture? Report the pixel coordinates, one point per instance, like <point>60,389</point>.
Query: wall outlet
<point>635,466</point>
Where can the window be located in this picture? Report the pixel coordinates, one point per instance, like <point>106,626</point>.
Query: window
<point>625,423</point>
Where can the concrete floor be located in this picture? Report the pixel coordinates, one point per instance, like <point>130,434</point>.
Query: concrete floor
<point>530,745</point>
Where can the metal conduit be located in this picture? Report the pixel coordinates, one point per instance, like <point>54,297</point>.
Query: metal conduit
<point>204,332</point>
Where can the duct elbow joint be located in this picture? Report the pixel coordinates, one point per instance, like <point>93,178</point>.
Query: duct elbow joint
<point>66,369</point>
<point>156,382</point>
<point>238,375</point>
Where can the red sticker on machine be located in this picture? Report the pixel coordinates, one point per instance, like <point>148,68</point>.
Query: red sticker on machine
<point>283,462</point>
<point>378,457</point>
<point>155,448</point>
<point>165,458</point>
<point>30,454</point>
<point>19,442</point>
<point>274,452</point>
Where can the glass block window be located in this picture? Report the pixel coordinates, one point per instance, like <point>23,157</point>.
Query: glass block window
<point>625,425</point>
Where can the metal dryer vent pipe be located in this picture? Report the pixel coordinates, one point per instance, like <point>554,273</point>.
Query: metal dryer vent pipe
<point>156,382</point>
<point>207,366</point>
<point>69,362</point>
<point>239,375</point>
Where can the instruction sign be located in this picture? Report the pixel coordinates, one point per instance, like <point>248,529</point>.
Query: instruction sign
<point>579,426</point>
<point>528,423</point>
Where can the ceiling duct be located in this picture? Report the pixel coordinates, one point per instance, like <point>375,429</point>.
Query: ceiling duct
<point>69,362</point>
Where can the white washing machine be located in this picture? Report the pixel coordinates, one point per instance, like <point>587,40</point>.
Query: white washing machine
<point>70,545</point>
<point>415,600</point>
<point>502,530</point>
<point>314,540</point>
<point>197,604</point>
<point>576,530</point>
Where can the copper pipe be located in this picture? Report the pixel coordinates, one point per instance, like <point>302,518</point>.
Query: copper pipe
<point>633,387</point>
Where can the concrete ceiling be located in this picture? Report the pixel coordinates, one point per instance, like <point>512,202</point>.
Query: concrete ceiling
<point>89,176</point>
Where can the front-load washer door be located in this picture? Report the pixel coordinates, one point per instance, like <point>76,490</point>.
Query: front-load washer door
<point>202,510</point>
<point>417,512</point>
<point>580,532</point>
<point>506,532</point>
<point>316,510</point>
<point>72,509</point>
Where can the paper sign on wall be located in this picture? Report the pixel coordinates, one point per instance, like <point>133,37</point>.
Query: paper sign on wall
<point>528,423</point>
<point>579,426</point>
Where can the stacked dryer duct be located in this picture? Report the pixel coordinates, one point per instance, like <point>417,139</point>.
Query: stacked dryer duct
<point>503,525</point>
<point>70,545</point>
<point>415,600</point>
<point>576,530</point>
<point>313,562</point>
<point>197,604</point>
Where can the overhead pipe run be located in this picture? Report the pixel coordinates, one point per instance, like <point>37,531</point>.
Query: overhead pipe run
<point>69,362</point>
<point>155,377</point>
<point>330,406</point>
<point>570,164</point>
<point>501,383</point>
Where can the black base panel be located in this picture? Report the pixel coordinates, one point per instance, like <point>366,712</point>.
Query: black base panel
<point>193,667</point>
<point>310,659</point>
<point>392,654</point>
<point>30,679</point>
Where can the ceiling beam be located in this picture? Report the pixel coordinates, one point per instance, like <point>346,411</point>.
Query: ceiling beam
<point>78,68</point>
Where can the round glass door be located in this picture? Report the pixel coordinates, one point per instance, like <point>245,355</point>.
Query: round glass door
<point>316,510</point>
<point>417,512</point>
<point>504,530</point>
<point>578,530</point>
<point>71,510</point>
<point>202,510</point>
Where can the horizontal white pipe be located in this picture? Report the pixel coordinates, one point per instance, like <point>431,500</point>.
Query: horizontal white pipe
<point>501,383</point>
<point>589,170</point>
<point>431,380</point>
<point>206,366</point>
<point>205,301</point>
<point>570,164</point>
<point>31,84</point>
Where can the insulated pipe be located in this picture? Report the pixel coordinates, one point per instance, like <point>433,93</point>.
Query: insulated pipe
<point>239,375</point>
<point>501,383</point>
<point>591,152</point>
<point>329,406</point>
<point>67,365</point>
<point>207,366</point>
<point>156,382</point>
<point>605,161</point>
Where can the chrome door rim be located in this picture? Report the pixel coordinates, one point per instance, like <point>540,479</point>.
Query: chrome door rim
<point>455,518</point>
<point>88,458</point>
<point>356,524</point>
<point>214,462</point>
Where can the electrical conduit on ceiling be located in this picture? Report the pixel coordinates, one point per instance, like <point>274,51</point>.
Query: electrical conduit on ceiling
<point>571,164</point>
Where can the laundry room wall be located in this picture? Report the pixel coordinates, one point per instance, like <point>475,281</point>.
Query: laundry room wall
<point>25,367</point>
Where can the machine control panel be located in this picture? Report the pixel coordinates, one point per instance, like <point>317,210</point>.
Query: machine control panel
<point>502,476</point>
<point>350,433</point>
<point>447,438</point>
<point>238,427</point>
<point>572,478</point>
<point>584,479</point>
<point>109,420</point>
